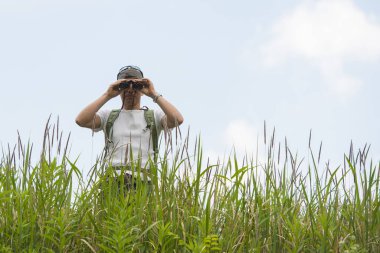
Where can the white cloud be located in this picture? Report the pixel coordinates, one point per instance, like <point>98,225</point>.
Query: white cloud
<point>241,135</point>
<point>328,34</point>
<point>338,81</point>
<point>238,138</point>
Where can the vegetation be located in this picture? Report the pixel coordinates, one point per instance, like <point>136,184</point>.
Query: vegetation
<point>192,205</point>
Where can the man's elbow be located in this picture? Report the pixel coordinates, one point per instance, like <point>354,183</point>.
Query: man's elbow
<point>180,120</point>
<point>80,122</point>
<point>176,122</point>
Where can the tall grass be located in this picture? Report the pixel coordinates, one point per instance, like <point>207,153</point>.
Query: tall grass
<point>192,205</point>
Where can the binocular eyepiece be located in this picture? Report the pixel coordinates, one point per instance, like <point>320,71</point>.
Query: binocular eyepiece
<point>126,84</point>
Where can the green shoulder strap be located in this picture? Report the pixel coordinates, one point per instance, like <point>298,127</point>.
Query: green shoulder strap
<point>151,124</point>
<point>111,119</point>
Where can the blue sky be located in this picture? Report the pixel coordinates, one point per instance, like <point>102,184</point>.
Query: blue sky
<point>227,65</point>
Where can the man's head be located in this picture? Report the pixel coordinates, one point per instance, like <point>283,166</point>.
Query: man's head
<point>130,71</point>
<point>130,97</point>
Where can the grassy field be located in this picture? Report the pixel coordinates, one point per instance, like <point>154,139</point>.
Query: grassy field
<point>278,205</point>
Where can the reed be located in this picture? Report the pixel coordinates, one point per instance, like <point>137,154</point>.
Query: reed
<point>280,204</point>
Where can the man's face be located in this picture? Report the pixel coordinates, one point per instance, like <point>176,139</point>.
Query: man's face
<point>129,93</point>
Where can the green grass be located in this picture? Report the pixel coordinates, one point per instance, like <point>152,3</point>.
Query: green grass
<point>280,205</point>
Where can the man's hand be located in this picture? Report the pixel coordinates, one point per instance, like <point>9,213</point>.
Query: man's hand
<point>148,88</point>
<point>113,90</point>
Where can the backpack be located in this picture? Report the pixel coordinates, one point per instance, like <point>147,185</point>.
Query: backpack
<point>151,125</point>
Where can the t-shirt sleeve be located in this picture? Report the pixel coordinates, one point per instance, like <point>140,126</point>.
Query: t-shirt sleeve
<point>158,116</point>
<point>103,115</point>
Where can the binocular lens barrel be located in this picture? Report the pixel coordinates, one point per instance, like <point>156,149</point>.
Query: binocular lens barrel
<point>124,85</point>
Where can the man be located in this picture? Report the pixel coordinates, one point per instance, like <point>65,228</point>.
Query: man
<point>129,136</point>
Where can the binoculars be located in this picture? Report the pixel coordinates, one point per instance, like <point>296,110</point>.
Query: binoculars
<point>124,85</point>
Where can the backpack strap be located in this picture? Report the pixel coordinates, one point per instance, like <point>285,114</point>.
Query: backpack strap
<point>151,124</point>
<point>109,124</point>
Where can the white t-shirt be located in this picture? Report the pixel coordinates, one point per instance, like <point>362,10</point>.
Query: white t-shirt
<point>130,134</point>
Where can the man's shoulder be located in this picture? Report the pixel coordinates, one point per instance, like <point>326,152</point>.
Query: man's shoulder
<point>106,112</point>
<point>104,115</point>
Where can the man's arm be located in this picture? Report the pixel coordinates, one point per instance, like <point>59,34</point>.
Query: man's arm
<point>87,117</point>
<point>173,117</point>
